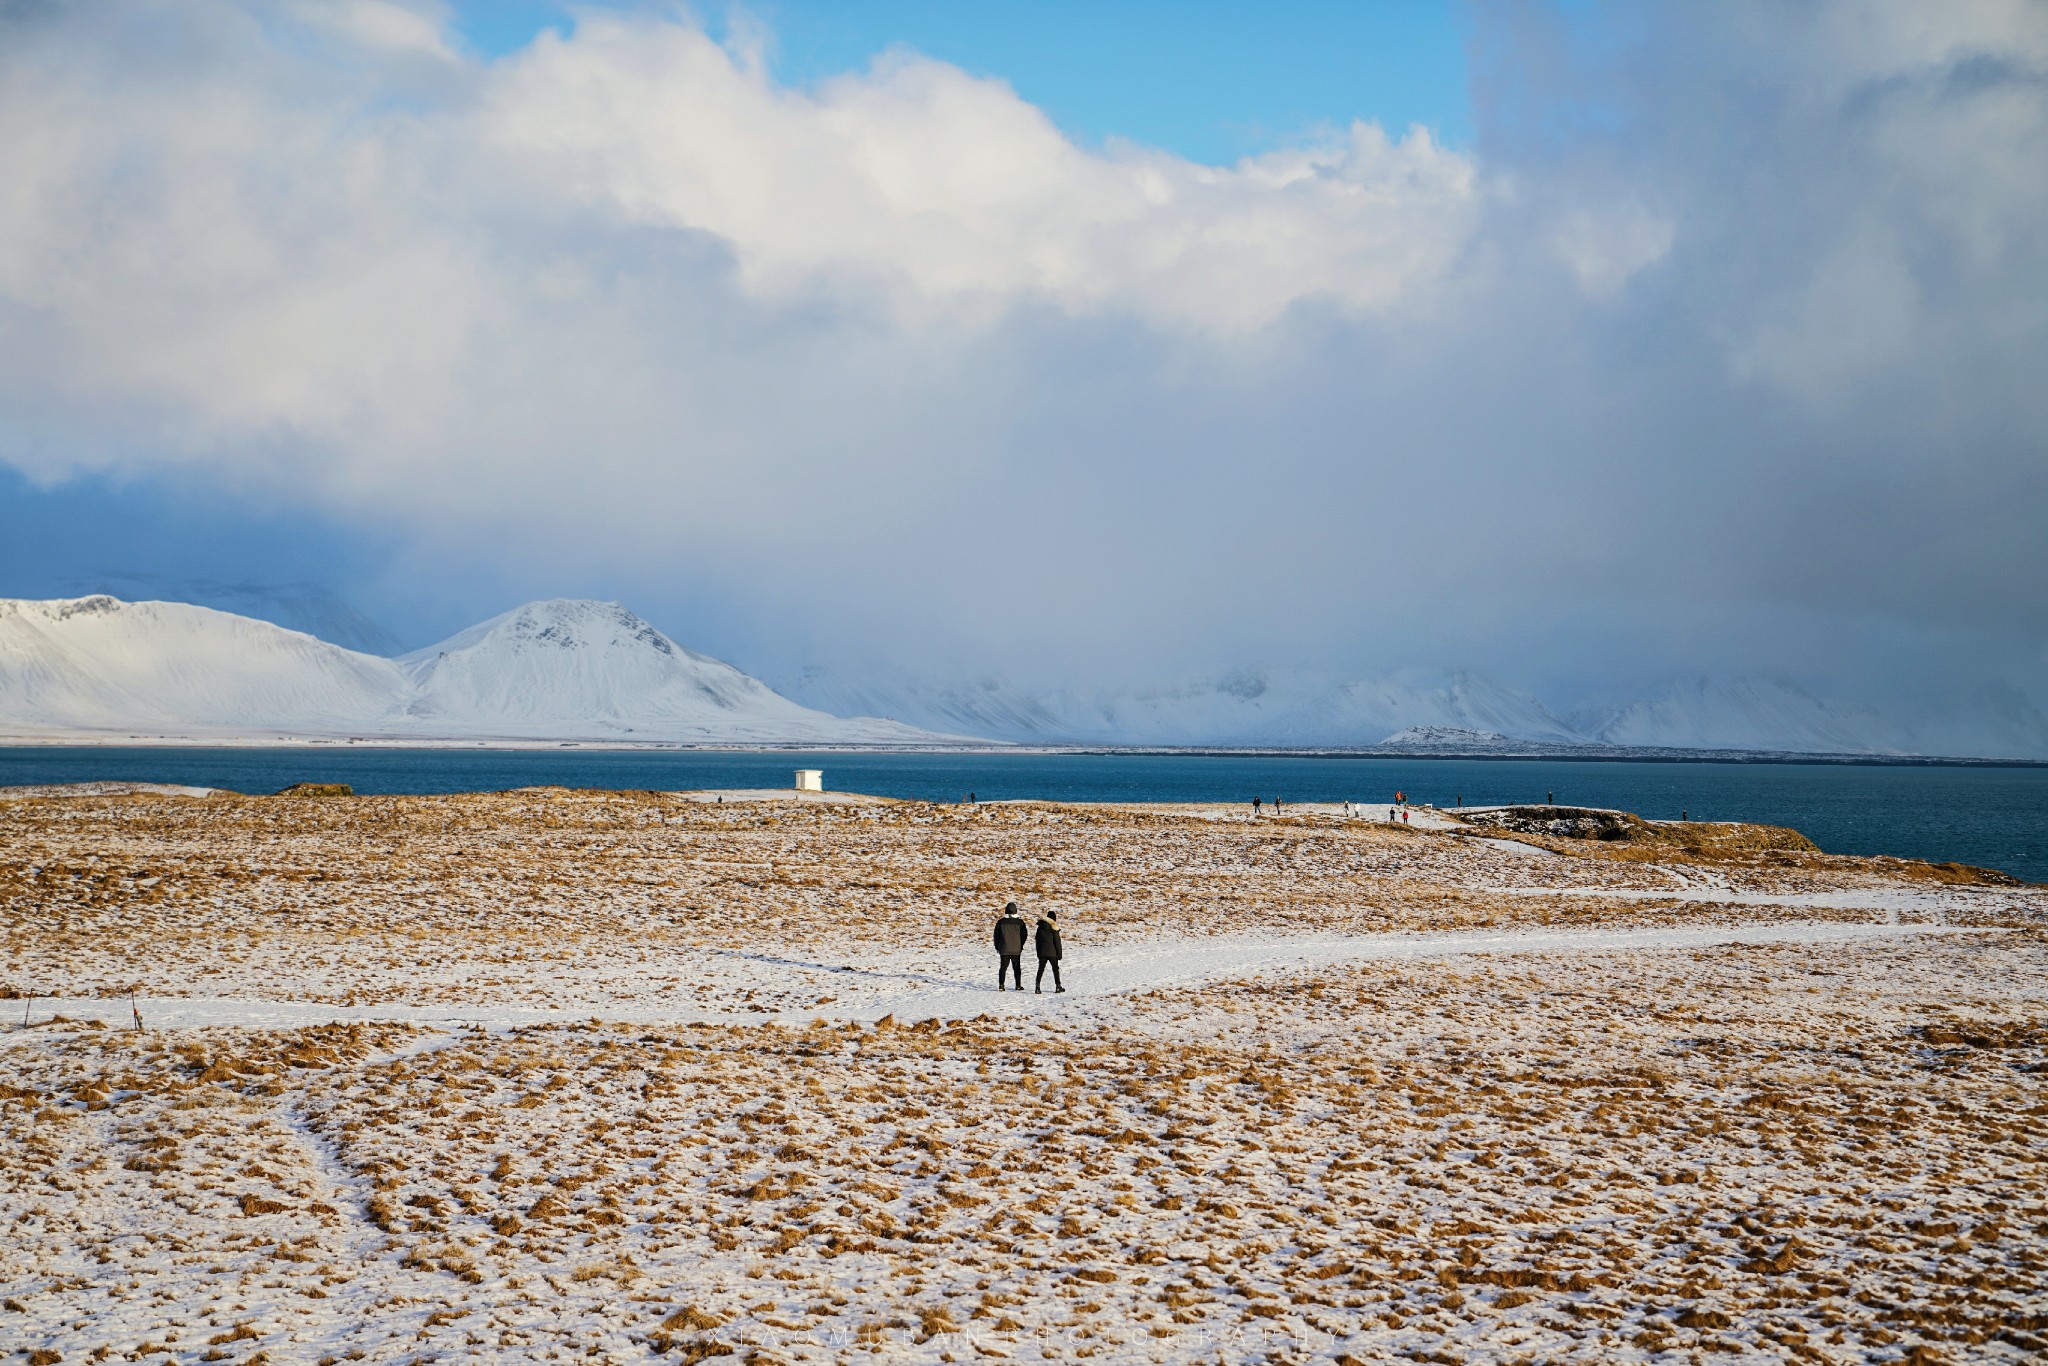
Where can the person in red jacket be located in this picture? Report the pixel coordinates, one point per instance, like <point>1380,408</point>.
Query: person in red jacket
<point>1010,934</point>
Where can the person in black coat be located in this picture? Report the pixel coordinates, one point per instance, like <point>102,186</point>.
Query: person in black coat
<point>1048,941</point>
<point>1010,946</point>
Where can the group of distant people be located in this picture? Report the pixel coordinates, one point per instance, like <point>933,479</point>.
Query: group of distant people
<point>1397,813</point>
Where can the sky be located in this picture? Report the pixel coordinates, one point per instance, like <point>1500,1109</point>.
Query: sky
<point>1583,345</point>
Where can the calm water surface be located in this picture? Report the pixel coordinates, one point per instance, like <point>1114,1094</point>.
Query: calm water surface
<point>1994,817</point>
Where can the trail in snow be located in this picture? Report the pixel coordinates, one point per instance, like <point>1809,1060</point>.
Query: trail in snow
<point>959,982</point>
<point>1885,901</point>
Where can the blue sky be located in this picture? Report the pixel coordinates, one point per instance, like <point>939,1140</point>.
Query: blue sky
<point>1210,81</point>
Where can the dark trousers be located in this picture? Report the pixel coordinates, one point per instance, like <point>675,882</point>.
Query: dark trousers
<point>1054,964</point>
<point>1011,963</point>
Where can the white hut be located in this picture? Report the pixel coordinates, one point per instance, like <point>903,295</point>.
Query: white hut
<point>810,780</point>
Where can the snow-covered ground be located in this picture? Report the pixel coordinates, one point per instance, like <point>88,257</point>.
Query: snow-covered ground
<point>545,1075</point>
<point>957,982</point>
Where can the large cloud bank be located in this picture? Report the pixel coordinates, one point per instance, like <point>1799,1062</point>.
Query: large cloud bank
<point>1722,345</point>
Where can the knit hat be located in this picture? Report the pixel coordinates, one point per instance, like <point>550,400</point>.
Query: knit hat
<point>1010,909</point>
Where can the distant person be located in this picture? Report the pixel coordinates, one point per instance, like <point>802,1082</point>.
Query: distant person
<point>1047,939</point>
<point>1010,933</point>
<point>970,799</point>
<point>1256,805</point>
<point>1276,806</point>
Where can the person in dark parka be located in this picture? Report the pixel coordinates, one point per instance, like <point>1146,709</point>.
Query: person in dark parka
<point>1048,941</point>
<point>1010,946</point>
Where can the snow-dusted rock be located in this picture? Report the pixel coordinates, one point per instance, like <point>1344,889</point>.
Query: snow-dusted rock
<point>1437,739</point>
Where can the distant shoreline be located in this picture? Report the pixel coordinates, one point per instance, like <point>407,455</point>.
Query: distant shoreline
<point>1562,753</point>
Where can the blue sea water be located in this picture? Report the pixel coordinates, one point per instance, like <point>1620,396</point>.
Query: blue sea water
<point>1989,816</point>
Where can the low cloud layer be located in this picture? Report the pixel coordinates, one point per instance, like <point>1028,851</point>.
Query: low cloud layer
<point>1720,348</point>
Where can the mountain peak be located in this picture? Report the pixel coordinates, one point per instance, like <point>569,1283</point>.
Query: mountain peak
<point>574,623</point>
<point>556,669</point>
<point>565,624</point>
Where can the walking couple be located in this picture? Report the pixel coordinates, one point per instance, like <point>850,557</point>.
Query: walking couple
<point>1010,932</point>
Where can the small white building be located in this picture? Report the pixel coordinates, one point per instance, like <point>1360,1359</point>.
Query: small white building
<point>810,780</point>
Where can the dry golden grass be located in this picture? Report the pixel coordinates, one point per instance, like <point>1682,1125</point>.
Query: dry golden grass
<point>1823,1154</point>
<point>1809,1152</point>
<point>550,896</point>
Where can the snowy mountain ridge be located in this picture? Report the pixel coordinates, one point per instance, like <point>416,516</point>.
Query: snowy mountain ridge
<point>1443,711</point>
<point>561,670</point>
<point>1734,712</point>
<point>299,606</point>
<point>574,670</point>
<point>1249,707</point>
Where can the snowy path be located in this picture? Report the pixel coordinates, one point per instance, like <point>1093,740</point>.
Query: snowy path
<point>1698,889</point>
<point>956,983</point>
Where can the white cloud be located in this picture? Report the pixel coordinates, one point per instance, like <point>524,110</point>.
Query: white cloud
<point>263,247</point>
<point>620,305</point>
<point>1605,248</point>
<point>418,30</point>
<point>938,188</point>
<point>1854,316</point>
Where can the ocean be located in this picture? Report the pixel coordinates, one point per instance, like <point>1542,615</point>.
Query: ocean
<point>1994,817</point>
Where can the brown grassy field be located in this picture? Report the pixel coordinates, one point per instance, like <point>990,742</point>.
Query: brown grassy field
<point>1826,1150</point>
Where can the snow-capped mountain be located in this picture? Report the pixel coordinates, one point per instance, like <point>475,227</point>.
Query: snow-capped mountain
<point>984,706</point>
<point>1247,707</point>
<point>100,667</point>
<point>303,607</point>
<point>97,664</point>
<point>1728,711</point>
<point>525,673</point>
<point>1994,721</point>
